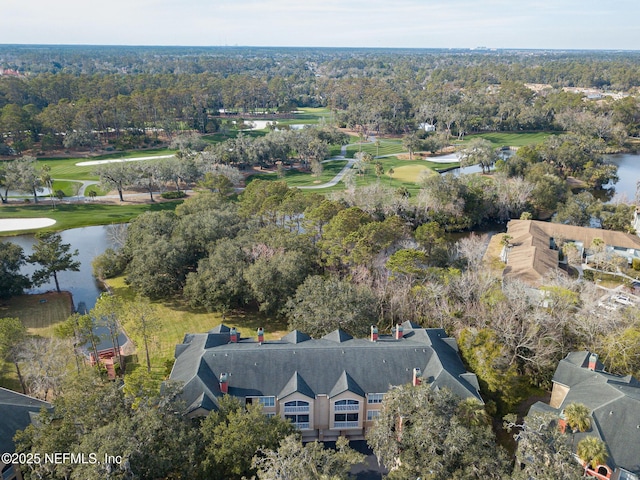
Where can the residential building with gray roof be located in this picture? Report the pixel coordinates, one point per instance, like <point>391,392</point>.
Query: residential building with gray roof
<point>16,411</point>
<point>327,386</point>
<point>614,403</point>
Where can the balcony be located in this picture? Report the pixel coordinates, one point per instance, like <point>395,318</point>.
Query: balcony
<point>298,409</point>
<point>346,425</point>
<point>301,425</point>
<point>346,408</point>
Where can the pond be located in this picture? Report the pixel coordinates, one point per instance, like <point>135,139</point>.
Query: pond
<point>90,242</point>
<point>624,190</point>
<point>628,174</point>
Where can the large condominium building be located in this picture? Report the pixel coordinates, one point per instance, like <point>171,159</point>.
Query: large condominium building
<point>327,386</point>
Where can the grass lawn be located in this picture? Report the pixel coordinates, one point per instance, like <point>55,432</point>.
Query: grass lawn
<point>308,116</point>
<point>65,168</point>
<point>66,186</point>
<point>177,319</point>
<point>407,173</point>
<point>509,139</point>
<point>39,313</point>
<point>296,178</point>
<point>82,214</point>
<point>386,147</point>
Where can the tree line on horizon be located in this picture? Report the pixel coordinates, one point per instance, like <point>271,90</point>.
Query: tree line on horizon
<point>133,105</point>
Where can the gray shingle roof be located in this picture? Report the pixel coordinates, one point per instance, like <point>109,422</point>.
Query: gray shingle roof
<point>614,402</point>
<point>338,336</point>
<point>16,412</point>
<point>296,337</point>
<point>296,384</point>
<point>317,366</point>
<point>346,384</point>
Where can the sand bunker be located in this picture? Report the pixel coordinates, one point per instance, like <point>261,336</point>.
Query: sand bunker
<point>120,160</point>
<point>11,224</point>
<point>449,158</point>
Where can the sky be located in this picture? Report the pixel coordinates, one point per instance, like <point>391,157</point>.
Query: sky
<point>535,24</point>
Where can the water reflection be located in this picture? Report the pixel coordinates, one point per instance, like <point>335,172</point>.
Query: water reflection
<point>90,242</point>
<point>628,175</point>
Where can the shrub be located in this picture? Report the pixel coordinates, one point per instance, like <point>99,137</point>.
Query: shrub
<point>173,195</point>
<point>108,265</point>
<point>636,263</point>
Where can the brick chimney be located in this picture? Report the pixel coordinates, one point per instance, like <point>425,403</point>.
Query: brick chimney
<point>593,360</point>
<point>374,333</point>
<point>233,335</point>
<point>399,331</point>
<point>224,383</point>
<point>417,377</point>
<point>260,335</point>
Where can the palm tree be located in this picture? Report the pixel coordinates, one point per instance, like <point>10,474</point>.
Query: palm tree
<point>505,241</point>
<point>578,416</point>
<point>472,413</point>
<point>45,177</point>
<point>593,452</point>
<point>379,169</point>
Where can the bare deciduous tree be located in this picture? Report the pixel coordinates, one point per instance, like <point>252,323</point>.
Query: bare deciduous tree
<point>45,363</point>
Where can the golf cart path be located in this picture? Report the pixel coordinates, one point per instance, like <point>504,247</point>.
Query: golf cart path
<point>335,180</point>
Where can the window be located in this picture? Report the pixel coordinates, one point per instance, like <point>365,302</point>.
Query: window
<point>347,406</point>
<point>296,406</point>
<point>264,401</point>
<point>375,397</point>
<point>373,414</point>
<point>346,420</point>
<point>267,401</point>
<point>8,472</point>
<point>625,475</point>
<point>301,422</point>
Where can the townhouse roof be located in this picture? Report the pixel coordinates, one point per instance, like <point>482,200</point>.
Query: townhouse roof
<point>614,402</point>
<point>330,365</point>
<point>531,257</point>
<point>16,411</point>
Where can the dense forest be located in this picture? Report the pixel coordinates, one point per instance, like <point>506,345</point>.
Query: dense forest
<point>366,254</point>
<point>124,95</point>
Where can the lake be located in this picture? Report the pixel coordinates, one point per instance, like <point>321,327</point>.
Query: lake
<point>628,174</point>
<point>90,242</point>
<point>624,190</point>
